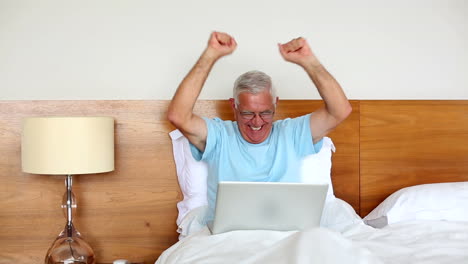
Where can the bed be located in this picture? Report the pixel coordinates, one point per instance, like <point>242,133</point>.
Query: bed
<point>343,238</point>
<point>131,213</point>
<point>424,220</point>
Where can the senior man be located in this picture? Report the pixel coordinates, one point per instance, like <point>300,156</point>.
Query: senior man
<point>253,147</point>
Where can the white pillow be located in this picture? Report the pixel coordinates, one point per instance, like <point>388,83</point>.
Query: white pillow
<point>192,174</point>
<point>316,168</point>
<point>437,201</point>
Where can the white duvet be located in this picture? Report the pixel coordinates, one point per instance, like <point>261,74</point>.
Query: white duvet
<point>343,238</point>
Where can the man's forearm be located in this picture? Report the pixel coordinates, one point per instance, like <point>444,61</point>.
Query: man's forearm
<point>329,89</point>
<point>184,100</point>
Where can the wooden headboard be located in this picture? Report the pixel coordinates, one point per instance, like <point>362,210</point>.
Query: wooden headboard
<point>405,143</point>
<point>130,213</point>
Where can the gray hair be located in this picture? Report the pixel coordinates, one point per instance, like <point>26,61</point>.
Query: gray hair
<point>253,82</point>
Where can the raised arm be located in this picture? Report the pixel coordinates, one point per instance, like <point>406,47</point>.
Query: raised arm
<point>180,112</point>
<point>337,106</point>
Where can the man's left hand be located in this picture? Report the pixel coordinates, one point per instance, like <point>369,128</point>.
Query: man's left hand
<point>298,51</point>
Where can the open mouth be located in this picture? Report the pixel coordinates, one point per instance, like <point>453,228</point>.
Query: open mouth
<point>256,128</point>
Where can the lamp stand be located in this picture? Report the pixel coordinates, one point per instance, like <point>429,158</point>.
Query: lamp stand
<point>69,247</point>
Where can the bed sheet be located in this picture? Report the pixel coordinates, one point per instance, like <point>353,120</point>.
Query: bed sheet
<point>317,245</point>
<point>411,242</point>
<point>343,238</point>
<point>421,241</point>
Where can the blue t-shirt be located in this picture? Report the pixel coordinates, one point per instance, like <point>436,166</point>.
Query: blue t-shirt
<point>277,159</point>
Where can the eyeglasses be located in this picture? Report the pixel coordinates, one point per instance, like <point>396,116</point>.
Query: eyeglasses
<point>265,115</point>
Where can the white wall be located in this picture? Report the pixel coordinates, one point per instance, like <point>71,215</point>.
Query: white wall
<point>399,49</point>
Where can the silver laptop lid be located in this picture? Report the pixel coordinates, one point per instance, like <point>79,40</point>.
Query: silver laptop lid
<point>268,206</point>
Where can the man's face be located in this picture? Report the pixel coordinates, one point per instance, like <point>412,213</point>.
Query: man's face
<point>254,115</point>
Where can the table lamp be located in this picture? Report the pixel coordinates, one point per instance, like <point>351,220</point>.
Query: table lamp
<point>68,146</point>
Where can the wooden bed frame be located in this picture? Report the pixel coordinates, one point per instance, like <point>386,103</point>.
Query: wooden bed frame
<point>130,213</point>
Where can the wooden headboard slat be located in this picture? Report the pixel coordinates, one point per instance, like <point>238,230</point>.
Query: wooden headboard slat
<point>405,143</point>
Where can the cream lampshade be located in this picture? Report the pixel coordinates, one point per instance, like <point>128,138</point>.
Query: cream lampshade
<point>68,146</point>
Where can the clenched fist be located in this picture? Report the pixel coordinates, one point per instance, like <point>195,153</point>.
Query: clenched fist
<point>220,44</point>
<point>298,51</point>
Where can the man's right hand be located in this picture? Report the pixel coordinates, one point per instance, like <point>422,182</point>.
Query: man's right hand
<point>180,111</point>
<point>220,44</point>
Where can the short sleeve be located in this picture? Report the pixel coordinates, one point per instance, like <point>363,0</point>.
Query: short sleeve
<point>214,128</point>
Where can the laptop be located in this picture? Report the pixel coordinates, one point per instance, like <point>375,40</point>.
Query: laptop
<point>268,206</point>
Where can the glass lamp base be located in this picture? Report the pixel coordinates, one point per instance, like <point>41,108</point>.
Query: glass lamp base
<point>70,248</point>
